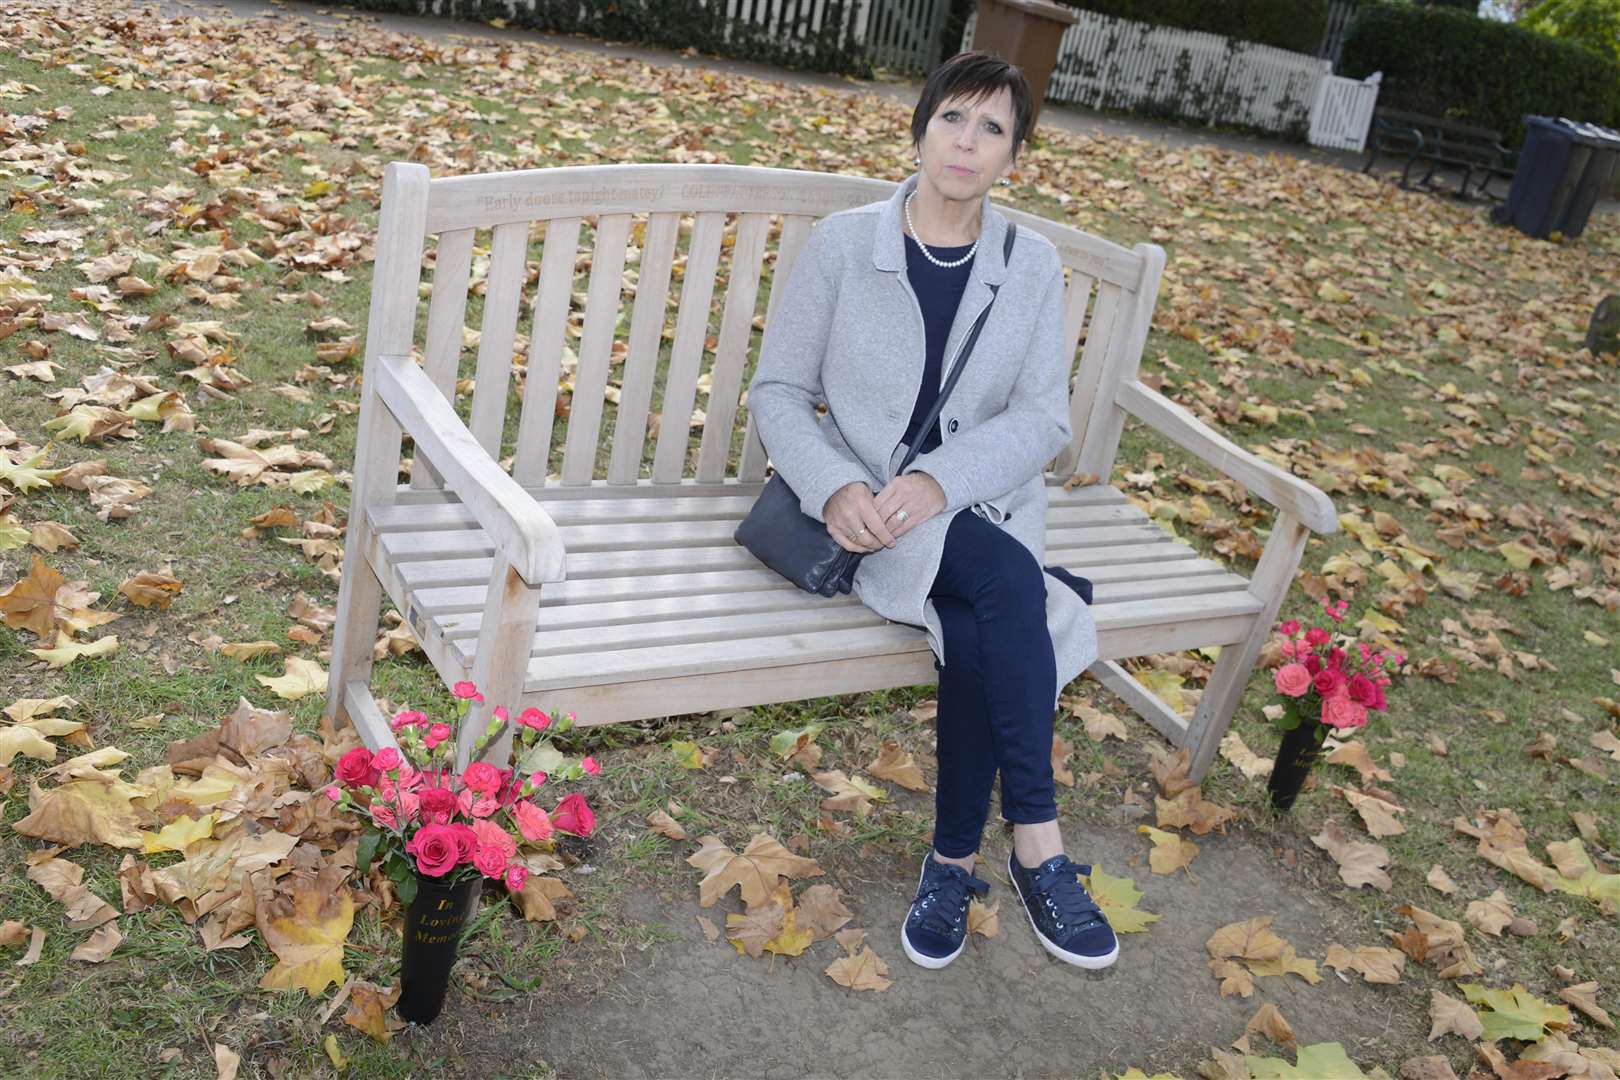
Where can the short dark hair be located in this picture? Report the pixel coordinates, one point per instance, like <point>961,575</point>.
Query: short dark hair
<point>976,76</point>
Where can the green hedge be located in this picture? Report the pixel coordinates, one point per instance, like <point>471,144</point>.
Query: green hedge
<point>1445,62</point>
<point>1296,25</point>
<point>674,24</point>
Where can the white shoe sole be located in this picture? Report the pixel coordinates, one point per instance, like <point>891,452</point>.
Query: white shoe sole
<point>1091,963</point>
<point>933,963</point>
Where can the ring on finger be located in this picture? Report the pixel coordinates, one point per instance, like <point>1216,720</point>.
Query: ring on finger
<point>900,516</point>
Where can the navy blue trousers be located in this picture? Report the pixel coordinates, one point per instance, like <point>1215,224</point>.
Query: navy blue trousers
<point>996,685</point>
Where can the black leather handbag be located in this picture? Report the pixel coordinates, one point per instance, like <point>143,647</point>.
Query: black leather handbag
<point>796,545</point>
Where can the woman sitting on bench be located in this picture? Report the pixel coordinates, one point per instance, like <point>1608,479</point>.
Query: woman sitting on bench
<point>872,319</point>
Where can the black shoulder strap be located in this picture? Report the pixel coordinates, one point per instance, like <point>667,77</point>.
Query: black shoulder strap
<point>967,350</point>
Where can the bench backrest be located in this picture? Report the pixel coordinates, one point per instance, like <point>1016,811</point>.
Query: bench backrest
<point>1439,125</point>
<point>655,395</point>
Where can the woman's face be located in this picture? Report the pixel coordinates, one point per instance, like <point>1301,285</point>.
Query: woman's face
<point>968,146</point>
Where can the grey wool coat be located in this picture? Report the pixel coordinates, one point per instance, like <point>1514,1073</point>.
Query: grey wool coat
<point>848,332</point>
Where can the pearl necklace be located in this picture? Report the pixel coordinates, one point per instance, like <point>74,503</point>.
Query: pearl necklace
<point>929,255</point>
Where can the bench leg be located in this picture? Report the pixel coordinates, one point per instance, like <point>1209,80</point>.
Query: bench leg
<point>358,614</point>
<point>1224,690</point>
<point>501,664</point>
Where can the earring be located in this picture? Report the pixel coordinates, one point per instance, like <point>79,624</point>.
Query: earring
<point>1004,182</point>
<point>917,162</point>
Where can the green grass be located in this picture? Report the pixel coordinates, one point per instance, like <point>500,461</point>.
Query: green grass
<point>1238,324</point>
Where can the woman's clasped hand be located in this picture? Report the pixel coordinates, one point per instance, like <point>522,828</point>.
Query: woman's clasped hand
<point>860,521</point>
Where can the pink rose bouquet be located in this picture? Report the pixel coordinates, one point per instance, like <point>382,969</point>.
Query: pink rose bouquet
<point>1335,682</point>
<point>425,819</point>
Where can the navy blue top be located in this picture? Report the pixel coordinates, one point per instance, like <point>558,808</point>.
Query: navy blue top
<point>939,292</point>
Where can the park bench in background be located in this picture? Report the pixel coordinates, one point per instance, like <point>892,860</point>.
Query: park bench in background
<point>1476,152</point>
<point>601,576</point>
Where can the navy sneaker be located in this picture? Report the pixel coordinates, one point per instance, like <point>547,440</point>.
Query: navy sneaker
<point>936,928</point>
<point>1067,921</point>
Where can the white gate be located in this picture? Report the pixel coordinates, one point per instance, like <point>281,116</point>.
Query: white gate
<point>1342,111</point>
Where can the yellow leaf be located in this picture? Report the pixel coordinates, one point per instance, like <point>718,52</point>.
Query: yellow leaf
<point>22,739</point>
<point>247,650</point>
<point>1170,852</point>
<point>302,678</point>
<point>1165,685</point>
<point>67,650</point>
<point>85,811</point>
<point>1517,555</point>
<point>330,1045</point>
<point>687,754</point>
<point>1118,898</point>
<point>306,928</point>
<point>149,589</point>
<point>179,834</point>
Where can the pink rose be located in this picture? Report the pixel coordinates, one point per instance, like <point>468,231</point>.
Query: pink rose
<point>482,777</point>
<point>485,805</point>
<point>1316,637</point>
<point>1341,713</point>
<point>466,841</point>
<point>408,804</point>
<point>533,822</point>
<point>437,804</point>
<point>1293,680</point>
<point>1291,627</point>
<point>1289,648</point>
<point>491,862</point>
<point>492,835</point>
<point>500,713</point>
<point>574,816</point>
<point>1313,664</point>
<point>1378,703</point>
<point>435,849</point>
<point>384,815</point>
<point>516,876</point>
<point>334,793</point>
<point>385,759</point>
<point>354,769</point>
<point>590,766</point>
<point>534,718</point>
<point>1328,682</point>
<point>464,801</point>
<point>464,690</point>
<point>1362,690</point>
<point>408,718</point>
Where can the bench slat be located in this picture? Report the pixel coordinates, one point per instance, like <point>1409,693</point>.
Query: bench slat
<point>595,348</point>
<point>731,349</point>
<point>641,633</point>
<point>502,294</point>
<point>459,612</point>
<point>434,517</point>
<point>691,327</point>
<point>641,360</point>
<point>675,661</point>
<point>447,317</point>
<point>795,227</point>
<point>551,301</point>
<point>587,564</point>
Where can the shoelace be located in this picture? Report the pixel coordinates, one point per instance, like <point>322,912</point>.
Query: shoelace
<point>943,899</point>
<point>1059,887</point>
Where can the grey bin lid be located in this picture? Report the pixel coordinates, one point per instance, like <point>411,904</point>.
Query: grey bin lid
<point>1578,131</point>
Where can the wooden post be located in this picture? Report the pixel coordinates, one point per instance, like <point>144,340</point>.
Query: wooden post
<point>1270,583</point>
<point>401,232</point>
<point>501,664</point>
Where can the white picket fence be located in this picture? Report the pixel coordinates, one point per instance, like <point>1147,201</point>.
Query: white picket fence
<point>1109,63</point>
<point>1342,111</point>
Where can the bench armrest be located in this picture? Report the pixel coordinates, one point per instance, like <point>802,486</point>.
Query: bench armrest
<point>519,527</point>
<point>1281,489</point>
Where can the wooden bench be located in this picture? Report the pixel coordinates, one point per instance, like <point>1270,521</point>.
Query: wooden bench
<point>599,574</point>
<point>1442,144</point>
